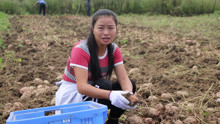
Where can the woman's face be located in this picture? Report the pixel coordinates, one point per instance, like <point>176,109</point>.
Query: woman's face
<point>104,30</point>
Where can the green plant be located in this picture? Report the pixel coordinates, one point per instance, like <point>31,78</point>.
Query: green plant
<point>216,14</point>
<point>78,7</point>
<point>19,60</point>
<point>0,63</point>
<point>125,41</point>
<point>11,7</point>
<point>4,23</point>
<point>136,57</point>
<point>1,44</point>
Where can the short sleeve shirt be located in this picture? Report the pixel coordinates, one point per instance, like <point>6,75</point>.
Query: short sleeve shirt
<point>41,2</point>
<point>80,57</point>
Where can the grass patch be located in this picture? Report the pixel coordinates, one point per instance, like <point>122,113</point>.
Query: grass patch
<point>204,25</point>
<point>4,22</point>
<point>0,63</point>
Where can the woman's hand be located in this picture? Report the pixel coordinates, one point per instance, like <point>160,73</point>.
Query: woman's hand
<point>117,99</point>
<point>131,98</point>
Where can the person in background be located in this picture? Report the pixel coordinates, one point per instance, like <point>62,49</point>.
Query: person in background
<point>43,6</point>
<point>89,68</point>
<point>88,7</point>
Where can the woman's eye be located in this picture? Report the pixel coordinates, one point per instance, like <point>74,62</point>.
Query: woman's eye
<point>111,27</point>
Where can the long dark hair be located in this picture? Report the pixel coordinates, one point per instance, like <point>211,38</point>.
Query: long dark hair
<point>93,48</point>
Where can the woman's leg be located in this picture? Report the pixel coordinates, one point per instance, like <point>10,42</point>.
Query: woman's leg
<point>101,84</point>
<point>115,112</point>
<point>67,93</point>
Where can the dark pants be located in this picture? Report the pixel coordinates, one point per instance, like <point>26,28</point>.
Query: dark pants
<point>115,112</point>
<point>42,7</point>
<point>88,7</point>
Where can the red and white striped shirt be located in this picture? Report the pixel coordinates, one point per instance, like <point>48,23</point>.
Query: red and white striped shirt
<point>80,57</point>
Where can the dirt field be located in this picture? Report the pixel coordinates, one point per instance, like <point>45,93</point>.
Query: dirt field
<point>177,76</point>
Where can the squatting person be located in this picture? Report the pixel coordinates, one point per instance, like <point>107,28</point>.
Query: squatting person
<point>89,68</point>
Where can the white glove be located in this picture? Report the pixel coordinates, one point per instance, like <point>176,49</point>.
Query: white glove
<point>130,107</point>
<point>133,107</point>
<point>118,100</point>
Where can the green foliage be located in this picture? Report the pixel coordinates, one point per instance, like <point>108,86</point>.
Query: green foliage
<point>19,60</point>
<point>59,6</point>
<point>120,7</point>
<point>216,13</point>
<point>125,41</point>
<point>78,7</point>
<point>195,7</point>
<point>204,24</point>
<point>4,23</point>
<point>11,7</point>
<point>172,7</point>
<point>1,44</point>
<point>0,63</point>
<point>28,6</point>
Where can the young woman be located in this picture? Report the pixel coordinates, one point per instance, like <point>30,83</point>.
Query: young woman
<point>90,65</point>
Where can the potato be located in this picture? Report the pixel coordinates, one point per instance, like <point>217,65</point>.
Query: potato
<point>178,122</point>
<point>218,94</point>
<point>135,120</point>
<point>152,112</point>
<point>26,89</point>
<point>131,98</point>
<point>190,120</point>
<point>148,120</point>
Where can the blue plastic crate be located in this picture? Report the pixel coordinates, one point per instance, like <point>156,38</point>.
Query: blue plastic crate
<point>77,113</point>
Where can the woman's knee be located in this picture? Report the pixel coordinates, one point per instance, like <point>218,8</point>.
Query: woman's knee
<point>134,85</point>
<point>117,86</point>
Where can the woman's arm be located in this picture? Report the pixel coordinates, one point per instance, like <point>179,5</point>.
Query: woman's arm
<point>123,77</point>
<point>36,3</point>
<point>126,84</point>
<point>85,88</point>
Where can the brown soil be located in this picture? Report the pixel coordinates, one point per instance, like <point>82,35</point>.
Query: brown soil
<point>37,48</point>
